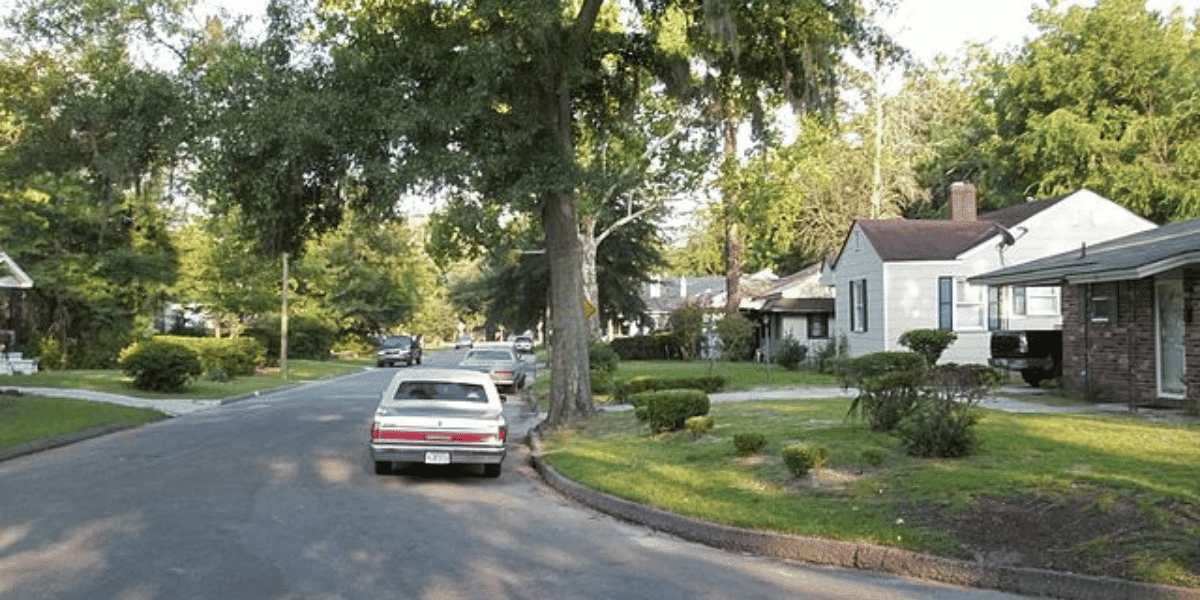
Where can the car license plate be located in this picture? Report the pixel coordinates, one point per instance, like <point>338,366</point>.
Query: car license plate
<point>437,458</point>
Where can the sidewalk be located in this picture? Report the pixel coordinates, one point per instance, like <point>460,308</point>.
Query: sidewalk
<point>173,407</point>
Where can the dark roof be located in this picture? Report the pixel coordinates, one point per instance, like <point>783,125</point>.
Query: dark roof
<point>1133,256</point>
<point>799,305</point>
<point>942,239</point>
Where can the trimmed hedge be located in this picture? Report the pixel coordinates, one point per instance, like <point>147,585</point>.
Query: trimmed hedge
<point>160,366</point>
<point>237,357</point>
<point>625,389</point>
<point>656,346</point>
<point>668,410</point>
<point>749,444</point>
<point>698,426</point>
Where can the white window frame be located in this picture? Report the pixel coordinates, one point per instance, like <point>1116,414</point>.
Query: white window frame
<point>970,306</point>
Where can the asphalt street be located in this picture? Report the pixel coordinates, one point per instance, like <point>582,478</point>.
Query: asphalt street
<point>274,498</point>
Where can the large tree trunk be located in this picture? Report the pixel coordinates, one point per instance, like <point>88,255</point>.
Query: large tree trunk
<point>570,385</point>
<point>591,288</point>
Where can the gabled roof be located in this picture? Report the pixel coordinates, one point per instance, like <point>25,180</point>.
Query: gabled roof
<point>943,239</point>
<point>799,305</point>
<point>1134,256</point>
<point>11,275</point>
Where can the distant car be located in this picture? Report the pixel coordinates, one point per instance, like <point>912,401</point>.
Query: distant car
<point>464,341</point>
<point>500,361</point>
<point>439,417</point>
<point>397,349</point>
<point>523,343</point>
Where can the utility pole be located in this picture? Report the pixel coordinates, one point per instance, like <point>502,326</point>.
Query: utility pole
<point>283,323</point>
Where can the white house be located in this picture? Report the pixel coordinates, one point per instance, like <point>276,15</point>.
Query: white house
<point>798,306</point>
<point>895,275</point>
<point>11,276</point>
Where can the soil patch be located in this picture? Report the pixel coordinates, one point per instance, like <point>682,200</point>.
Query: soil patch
<point>1079,534</point>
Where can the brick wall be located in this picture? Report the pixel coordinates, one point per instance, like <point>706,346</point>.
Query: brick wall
<point>1117,361</point>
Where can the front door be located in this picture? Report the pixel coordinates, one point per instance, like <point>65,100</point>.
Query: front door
<point>1171,356</point>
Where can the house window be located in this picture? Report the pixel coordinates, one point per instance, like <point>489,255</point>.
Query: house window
<point>994,315</point>
<point>1102,303</point>
<point>858,305</point>
<point>1020,300</point>
<point>946,303</point>
<point>969,307</point>
<point>1036,301</point>
<point>818,326</point>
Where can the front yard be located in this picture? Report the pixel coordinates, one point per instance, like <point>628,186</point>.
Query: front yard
<point>1098,494</point>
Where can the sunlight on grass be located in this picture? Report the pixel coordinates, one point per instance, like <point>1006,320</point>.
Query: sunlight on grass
<point>872,484</point>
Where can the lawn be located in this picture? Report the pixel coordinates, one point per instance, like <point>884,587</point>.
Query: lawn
<point>26,419</point>
<point>117,382</point>
<point>1106,495</point>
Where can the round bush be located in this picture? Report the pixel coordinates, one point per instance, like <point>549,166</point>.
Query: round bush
<point>747,444</point>
<point>160,366</point>
<point>801,458</point>
<point>791,354</point>
<point>698,426</point>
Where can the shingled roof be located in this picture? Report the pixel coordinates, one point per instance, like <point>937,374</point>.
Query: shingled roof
<point>943,239</point>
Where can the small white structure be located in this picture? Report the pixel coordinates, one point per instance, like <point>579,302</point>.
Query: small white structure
<point>895,275</point>
<point>11,276</point>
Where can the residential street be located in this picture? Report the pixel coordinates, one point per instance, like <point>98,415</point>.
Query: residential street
<point>273,498</point>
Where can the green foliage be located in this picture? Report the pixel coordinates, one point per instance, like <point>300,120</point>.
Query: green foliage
<point>666,410</point>
<point>687,323</point>
<point>874,456</point>
<point>802,458</point>
<point>737,336</point>
<point>308,337</point>
<point>601,357</point>
<point>888,384</point>
<point>791,353</point>
<point>602,382</point>
<point>831,356</point>
<point>698,425</point>
<point>930,343</point>
<point>160,366</point>
<point>937,427</point>
<point>658,345</point>
<point>236,357</point>
<point>626,389</point>
<point>749,444</point>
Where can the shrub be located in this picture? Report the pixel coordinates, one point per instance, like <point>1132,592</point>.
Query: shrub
<point>737,336</point>
<point>625,389</point>
<point>160,366</point>
<point>602,357</point>
<point>238,357</point>
<point>217,374</point>
<point>791,354</point>
<point>602,382</point>
<point>929,343</point>
<point>888,384</point>
<point>308,337</point>
<point>938,427</point>
<point>747,444</point>
<point>699,425</point>
<point>687,323</point>
<point>660,345</point>
<point>802,458</point>
<point>832,355</point>
<point>874,456</point>
<point>667,410</point>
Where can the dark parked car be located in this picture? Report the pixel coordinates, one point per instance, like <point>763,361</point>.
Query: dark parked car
<point>397,349</point>
<point>1036,354</point>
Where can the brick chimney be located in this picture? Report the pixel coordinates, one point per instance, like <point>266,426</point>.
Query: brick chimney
<point>962,201</point>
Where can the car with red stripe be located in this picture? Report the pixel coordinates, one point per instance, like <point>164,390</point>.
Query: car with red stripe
<point>439,417</point>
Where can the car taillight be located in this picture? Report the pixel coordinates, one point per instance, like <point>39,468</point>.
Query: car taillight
<point>374,430</point>
<point>503,434</point>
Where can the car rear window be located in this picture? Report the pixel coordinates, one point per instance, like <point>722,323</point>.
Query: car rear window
<point>490,355</point>
<point>440,390</point>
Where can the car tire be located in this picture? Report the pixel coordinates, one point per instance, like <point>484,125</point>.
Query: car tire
<point>492,470</point>
<point>1033,377</point>
<point>383,467</point>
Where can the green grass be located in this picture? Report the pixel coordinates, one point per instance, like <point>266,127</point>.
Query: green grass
<point>870,488</point>
<point>26,419</point>
<point>116,382</point>
<point>739,376</point>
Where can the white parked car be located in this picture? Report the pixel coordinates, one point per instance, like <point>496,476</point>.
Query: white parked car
<point>439,417</point>
<point>501,361</point>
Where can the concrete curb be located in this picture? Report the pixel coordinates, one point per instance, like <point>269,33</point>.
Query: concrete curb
<point>63,440</point>
<point>851,555</point>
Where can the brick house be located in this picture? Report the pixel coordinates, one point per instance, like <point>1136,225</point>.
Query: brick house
<point>1129,309</point>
